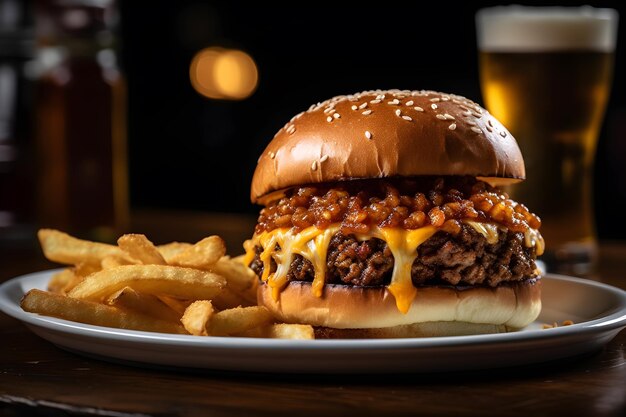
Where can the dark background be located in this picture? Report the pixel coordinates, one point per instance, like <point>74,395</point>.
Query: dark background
<point>190,152</point>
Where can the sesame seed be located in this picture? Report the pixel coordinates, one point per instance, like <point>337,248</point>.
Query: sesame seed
<point>476,130</point>
<point>362,106</point>
<point>398,112</point>
<point>375,101</point>
<point>291,129</point>
<point>407,118</point>
<point>366,112</point>
<point>368,134</point>
<point>353,99</point>
<point>467,113</point>
<point>354,107</point>
<point>452,126</point>
<point>409,103</point>
<point>324,158</point>
<point>336,115</point>
<point>433,106</point>
<point>272,155</point>
<point>435,100</point>
<point>418,108</point>
<point>471,123</point>
<point>329,119</point>
<point>445,98</point>
<point>503,134</point>
<point>314,165</point>
<point>440,117</point>
<point>476,115</point>
<point>448,116</point>
<point>395,101</point>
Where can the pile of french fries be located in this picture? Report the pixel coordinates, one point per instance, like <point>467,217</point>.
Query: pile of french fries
<point>174,288</point>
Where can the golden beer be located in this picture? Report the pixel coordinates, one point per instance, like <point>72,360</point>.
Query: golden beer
<point>552,97</point>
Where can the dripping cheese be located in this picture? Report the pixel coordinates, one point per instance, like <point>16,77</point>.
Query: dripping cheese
<point>312,244</point>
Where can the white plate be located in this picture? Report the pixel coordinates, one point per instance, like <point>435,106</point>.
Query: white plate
<point>598,310</point>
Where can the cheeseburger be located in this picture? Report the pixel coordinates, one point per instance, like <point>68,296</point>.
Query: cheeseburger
<point>383,218</point>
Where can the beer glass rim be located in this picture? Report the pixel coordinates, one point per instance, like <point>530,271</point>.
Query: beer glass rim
<point>549,12</point>
<point>544,28</point>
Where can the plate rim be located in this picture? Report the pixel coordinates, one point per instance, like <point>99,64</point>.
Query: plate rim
<point>614,321</point>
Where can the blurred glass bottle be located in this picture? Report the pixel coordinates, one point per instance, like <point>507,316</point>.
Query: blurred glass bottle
<point>81,119</point>
<point>16,178</point>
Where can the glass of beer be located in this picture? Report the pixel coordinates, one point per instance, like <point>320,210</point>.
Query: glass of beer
<point>546,74</point>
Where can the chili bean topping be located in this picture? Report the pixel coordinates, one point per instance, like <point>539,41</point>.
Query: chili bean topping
<point>407,203</point>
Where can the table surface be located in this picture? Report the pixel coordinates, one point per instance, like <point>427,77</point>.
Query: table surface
<point>37,378</point>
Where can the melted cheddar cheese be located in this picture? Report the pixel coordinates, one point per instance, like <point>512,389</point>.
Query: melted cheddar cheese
<point>532,237</point>
<point>312,244</point>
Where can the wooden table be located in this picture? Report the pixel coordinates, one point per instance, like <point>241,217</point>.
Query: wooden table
<point>38,379</point>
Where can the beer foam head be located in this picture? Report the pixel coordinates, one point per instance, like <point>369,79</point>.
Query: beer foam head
<point>542,29</point>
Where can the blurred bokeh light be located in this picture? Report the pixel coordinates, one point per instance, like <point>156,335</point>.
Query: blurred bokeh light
<point>220,73</point>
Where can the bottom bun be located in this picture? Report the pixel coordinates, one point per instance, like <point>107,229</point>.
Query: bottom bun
<point>370,312</point>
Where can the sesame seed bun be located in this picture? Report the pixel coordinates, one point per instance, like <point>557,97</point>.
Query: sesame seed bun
<point>371,312</point>
<point>378,134</point>
<point>388,134</point>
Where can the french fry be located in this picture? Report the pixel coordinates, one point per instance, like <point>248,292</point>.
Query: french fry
<point>197,317</point>
<point>129,299</point>
<point>172,249</point>
<point>282,331</point>
<point>290,331</point>
<point>240,278</point>
<point>202,255</point>
<point>73,282</point>
<point>80,271</point>
<point>84,269</point>
<point>239,258</point>
<point>238,320</point>
<point>115,261</point>
<point>175,281</point>
<point>65,249</point>
<point>176,304</point>
<point>60,280</point>
<point>173,288</point>
<point>140,248</point>
<point>228,298</point>
<point>82,311</point>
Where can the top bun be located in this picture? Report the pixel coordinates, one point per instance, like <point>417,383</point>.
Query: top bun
<point>380,134</point>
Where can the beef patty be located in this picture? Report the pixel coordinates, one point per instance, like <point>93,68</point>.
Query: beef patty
<point>462,258</point>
